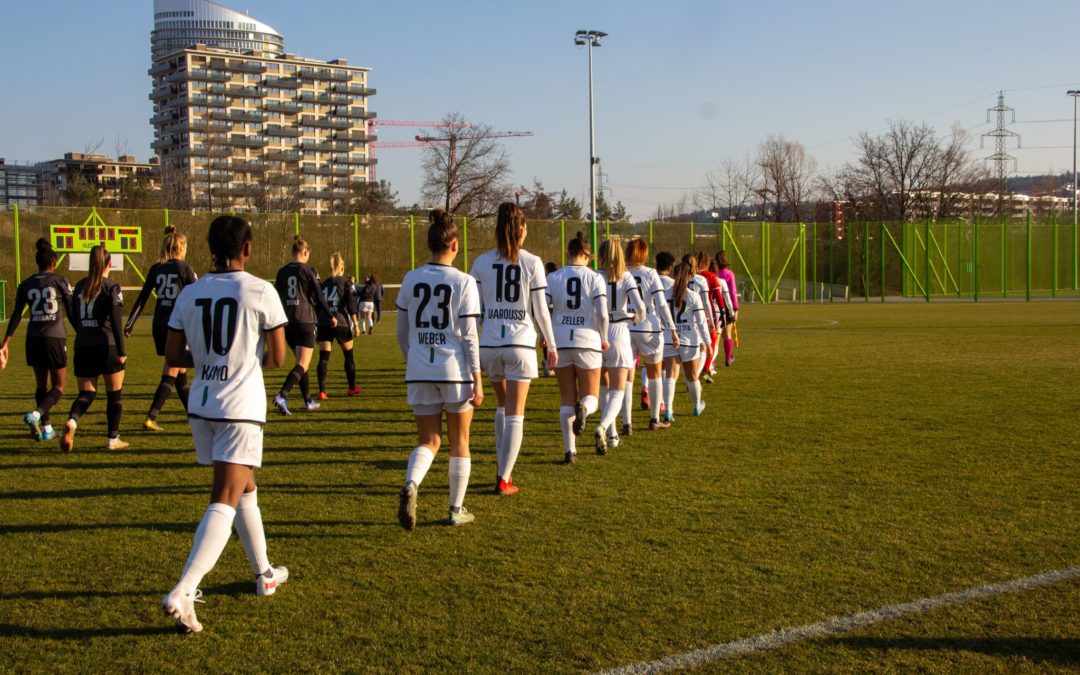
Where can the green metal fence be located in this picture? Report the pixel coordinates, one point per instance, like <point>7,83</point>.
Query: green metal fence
<point>802,262</point>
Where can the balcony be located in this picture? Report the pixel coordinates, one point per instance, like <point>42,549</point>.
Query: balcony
<point>315,193</point>
<point>282,106</point>
<point>163,92</point>
<point>208,101</point>
<point>317,170</point>
<point>354,113</point>
<point>204,75</point>
<point>353,89</point>
<point>161,68</point>
<point>312,97</point>
<point>246,115</point>
<point>314,145</point>
<point>323,74</point>
<point>355,136</point>
<point>247,141</point>
<point>246,67</point>
<point>326,122</point>
<point>248,165</point>
<point>282,82</point>
<point>283,155</point>
<point>166,142</point>
<point>236,91</point>
<point>356,160</point>
<point>164,117</point>
<point>203,125</point>
<point>281,132</point>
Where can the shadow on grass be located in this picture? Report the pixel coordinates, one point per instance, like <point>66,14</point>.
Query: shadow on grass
<point>1060,651</point>
<point>156,491</point>
<point>274,527</point>
<point>153,465</point>
<point>11,630</point>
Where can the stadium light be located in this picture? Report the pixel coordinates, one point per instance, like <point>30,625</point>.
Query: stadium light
<point>590,39</point>
<point>1074,93</point>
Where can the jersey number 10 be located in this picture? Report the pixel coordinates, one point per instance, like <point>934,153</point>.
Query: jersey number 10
<point>219,323</point>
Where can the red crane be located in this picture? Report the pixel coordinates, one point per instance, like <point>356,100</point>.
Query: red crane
<point>371,130</point>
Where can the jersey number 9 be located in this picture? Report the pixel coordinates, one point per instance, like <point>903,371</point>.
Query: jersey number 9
<point>573,293</point>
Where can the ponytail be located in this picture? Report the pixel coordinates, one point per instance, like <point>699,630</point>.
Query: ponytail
<point>99,262</point>
<point>45,256</point>
<point>509,225</point>
<point>579,245</point>
<point>442,231</point>
<point>174,245</point>
<point>611,259</point>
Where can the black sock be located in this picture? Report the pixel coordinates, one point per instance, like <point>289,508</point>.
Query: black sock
<point>47,402</point>
<point>305,386</point>
<point>114,407</point>
<point>182,389</point>
<point>39,396</point>
<point>324,365</point>
<point>290,380</point>
<point>81,404</point>
<point>161,395</point>
<point>350,368</point>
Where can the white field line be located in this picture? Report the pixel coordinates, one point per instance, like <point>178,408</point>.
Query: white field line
<point>839,625</point>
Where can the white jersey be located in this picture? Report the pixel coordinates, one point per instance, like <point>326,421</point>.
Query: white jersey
<point>225,316</point>
<point>505,291</point>
<point>666,282</point>
<point>690,321</point>
<point>440,303</point>
<point>656,306</point>
<point>623,296</point>
<point>700,285</point>
<point>573,291</point>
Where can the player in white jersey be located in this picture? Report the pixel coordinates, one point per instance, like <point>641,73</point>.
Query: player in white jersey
<point>625,306</point>
<point>436,330</point>
<point>664,264</point>
<point>580,322</point>
<point>700,285</point>
<point>693,327</point>
<point>511,282</point>
<point>233,323</point>
<point>647,337</point>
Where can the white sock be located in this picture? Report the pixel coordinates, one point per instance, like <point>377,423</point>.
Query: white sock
<point>513,431</point>
<point>419,462</point>
<point>702,360</point>
<point>500,424</point>
<point>210,539</point>
<point>460,468</point>
<point>694,389</point>
<point>611,408</point>
<point>669,395</point>
<point>249,529</point>
<point>655,398</point>
<point>589,404</point>
<point>628,402</point>
<point>644,375</point>
<point>566,421</point>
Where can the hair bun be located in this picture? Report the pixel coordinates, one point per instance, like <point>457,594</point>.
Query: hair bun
<point>170,229</point>
<point>43,244</point>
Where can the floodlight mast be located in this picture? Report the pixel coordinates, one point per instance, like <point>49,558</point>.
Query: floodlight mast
<point>590,39</point>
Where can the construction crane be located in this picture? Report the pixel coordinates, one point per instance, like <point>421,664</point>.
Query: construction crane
<point>453,141</point>
<point>371,131</point>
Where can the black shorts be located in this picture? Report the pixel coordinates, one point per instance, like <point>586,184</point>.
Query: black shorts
<point>46,352</point>
<point>300,335</point>
<point>341,334</point>
<point>161,333</point>
<point>97,360</point>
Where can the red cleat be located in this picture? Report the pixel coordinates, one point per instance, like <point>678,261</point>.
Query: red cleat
<point>323,396</point>
<point>354,391</point>
<point>644,398</point>
<point>506,487</point>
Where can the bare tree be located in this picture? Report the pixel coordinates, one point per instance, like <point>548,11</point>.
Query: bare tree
<point>730,187</point>
<point>466,169</point>
<point>787,173</point>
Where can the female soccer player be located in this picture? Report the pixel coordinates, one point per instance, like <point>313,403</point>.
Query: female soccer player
<point>625,305</point>
<point>700,285</point>
<point>365,296</point>
<point>436,331</point>
<point>99,347</point>
<point>648,337</point>
<point>580,319</point>
<point>728,276</point>
<point>511,282</point>
<point>339,296</point>
<point>300,291</point>
<point>693,330</point>
<point>664,264</point>
<point>224,327</point>
<point>168,277</point>
<point>48,296</point>
<point>717,307</point>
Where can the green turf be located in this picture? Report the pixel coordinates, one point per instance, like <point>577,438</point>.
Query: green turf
<point>854,456</point>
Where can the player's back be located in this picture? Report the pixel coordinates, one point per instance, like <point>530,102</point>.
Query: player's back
<point>47,295</point>
<point>572,290</point>
<point>505,291</point>
<point>168,279</point>
<point>437,299</point>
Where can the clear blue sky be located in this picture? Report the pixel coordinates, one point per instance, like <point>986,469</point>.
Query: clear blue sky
<point>679,85</point>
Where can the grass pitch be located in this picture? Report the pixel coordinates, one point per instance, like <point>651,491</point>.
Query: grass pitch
<point>855,456</point>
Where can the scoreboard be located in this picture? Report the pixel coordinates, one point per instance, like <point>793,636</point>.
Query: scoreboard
<point>94,231</point>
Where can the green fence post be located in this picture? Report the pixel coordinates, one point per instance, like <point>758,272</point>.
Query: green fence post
<point>723,236</point>
<point>1076,258</point>
<point>1004,260</point>
<point>1027,292</point>
<point>802,262</point>
<point>847,279</point>
<point>607,229</point>
<point>412,242</point>
<point>866,261</point>
<point>562,240</point>
<point>813,273</point>
<point>975,260</point>
<point>296,220</point>
<point>832,239</point>
<point>356,245</point>
<point>166,218</point>
<point>692,251</point>
<point>465,240</point>
<point>883,261</point>
<point>1054,282</point>
<point>650,234</point>
<point>764,264</point>
<point>926,259</point>
<point>18,264</point>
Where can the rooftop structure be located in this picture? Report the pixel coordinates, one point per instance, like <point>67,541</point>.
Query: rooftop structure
<point>179,24</point>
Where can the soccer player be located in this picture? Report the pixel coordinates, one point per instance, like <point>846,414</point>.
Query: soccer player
<point>365,298</point>
<point>647,337</point>
<point>700,285</point>
<point>168,277</point>
<point>99,347</point>
<point>728,276</point>
<point>511,282</point>
<point>625,305</point>
<point>664,263</point>
<point>693,327</point>
<point>436,330</point>
<point>300,291</point>
<point>718,309</point>
<point>48,297</point>
<point>233,323</point>
<point>339,296</point>
<point>580,319</point>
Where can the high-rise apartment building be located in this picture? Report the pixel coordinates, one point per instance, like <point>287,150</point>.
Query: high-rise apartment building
<point>183,23</point>
<point>257,129</point>
<point>20,184</point>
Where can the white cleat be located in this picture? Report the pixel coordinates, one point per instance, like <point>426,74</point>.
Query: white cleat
<point>267,583</point>
<point>461,517</point>
<point>181,606</point>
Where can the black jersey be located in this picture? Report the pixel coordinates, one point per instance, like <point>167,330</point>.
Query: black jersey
<point>339,296</point>
<point>98,322</point>
<point>167,279</point>
<point>365,292</point>
<point>300,290</point>
<point>48,296</point>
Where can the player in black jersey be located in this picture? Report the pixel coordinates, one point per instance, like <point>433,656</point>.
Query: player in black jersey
<point>48,297</point>
<point>300,290</point>
<point>99,347</point>
<point>166,278</point>
<point>338,292</point>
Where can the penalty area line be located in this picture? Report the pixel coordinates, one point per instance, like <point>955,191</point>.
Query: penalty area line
<point>839,625</point>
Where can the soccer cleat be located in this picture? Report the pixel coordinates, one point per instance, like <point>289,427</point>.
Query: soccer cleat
<point>707,378</point>
<point>460,517</point>
<point>728,361</point>
<point>505,488</point>
<point>181,606</point>
<point>312,405</point>
<point>323,396</point>
<point>117,444</point>
<point>712,371</point>
<point>655,425</point>
<point>67,440</point>
<point>279,403</point>
<point>627,429</point>
<point>151,425</point>
<point>600,438</point>
<point>700,409</point>
<point>354,391</point>
<point>406,513</point>
<point>613,439</point>
<point>47,434</point>
<point>570,458</point>
<point>33,420</point>
<point>267,583</point>
<point>579,419</point>
<point>644,398</point>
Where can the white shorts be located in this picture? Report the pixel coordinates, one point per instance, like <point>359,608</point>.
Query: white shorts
<point>431,398</point>
<point>366,306</point>
<point>687,354</point>
<point>517,364</point>
<point>584,359</point>
<point>620,353</point>
<point>231,442</point>
<point>649,346</point>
